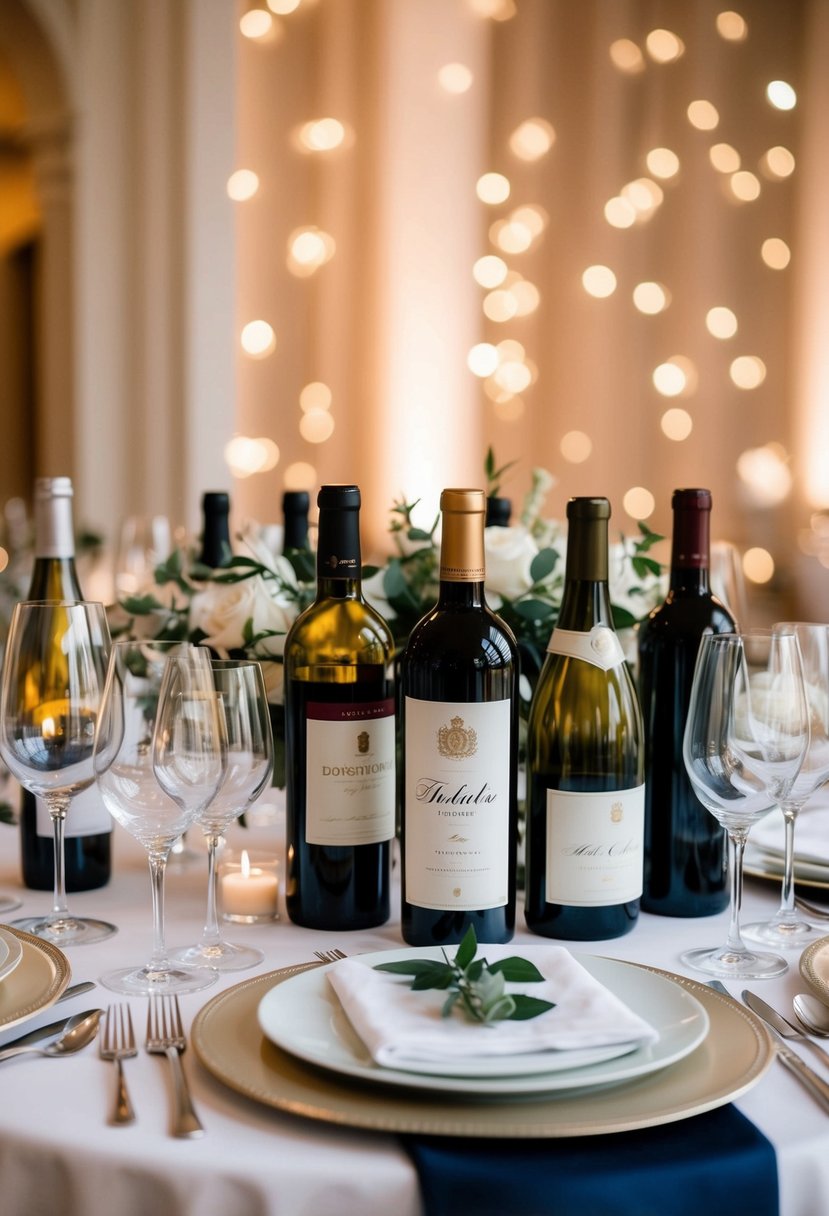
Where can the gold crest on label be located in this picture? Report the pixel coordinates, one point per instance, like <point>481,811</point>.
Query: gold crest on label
<point>616,812</point>
<point>363,742</point>
<point>456,892</point>
<point>456,741</point>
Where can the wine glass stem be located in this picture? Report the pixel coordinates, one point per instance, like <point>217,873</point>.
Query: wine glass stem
<point>158,865</point>
<point>58,805</point>
<point>211,935</point>
<point>786,910</point>
<point>736,851</point>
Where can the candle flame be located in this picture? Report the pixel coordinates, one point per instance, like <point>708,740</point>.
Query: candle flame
<point>245,865</point>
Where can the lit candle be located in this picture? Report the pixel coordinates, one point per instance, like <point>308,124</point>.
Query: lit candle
<point>249,892</point>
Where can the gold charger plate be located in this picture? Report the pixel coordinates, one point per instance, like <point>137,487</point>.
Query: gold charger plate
<point>733,1057</point>
<point>814,967</point>
<point>36,982</point>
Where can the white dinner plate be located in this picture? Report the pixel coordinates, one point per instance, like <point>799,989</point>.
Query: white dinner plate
<point>304,1017</point>
<point>11,952</point>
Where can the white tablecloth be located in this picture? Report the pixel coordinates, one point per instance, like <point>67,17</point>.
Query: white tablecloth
<point>57,1153</point>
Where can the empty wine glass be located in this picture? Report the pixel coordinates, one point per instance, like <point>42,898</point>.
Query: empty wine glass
<point>135,691</point>
<point>249,762</point>
<point>745,739</point>
<point>7,902</point>
<point>788,928</point>
<point>53,680</point>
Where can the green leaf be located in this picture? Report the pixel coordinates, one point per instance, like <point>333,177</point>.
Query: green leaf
<point>518,970</point>
<point>440,976</point>
<point>466,950</point>
<point>527,1007</point>
<point>622,619</point>
<point>532,609</point>
<point>543,563</point>
<point>412,966</point>
<point>141,605</point>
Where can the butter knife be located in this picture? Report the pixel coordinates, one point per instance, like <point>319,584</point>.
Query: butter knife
<point>45,1032</point>
<point>782,1025</point>
<point>790,1060</point>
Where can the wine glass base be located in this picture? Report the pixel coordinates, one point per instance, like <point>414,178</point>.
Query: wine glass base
<point>146,981</point>
<point>8,903</point>
<point>782,935</point>
<point>67,931</point>
<point>728,964</point>
<point>222,956</point>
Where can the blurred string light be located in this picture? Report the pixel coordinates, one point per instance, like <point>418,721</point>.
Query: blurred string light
<point>482,359</point>
<point>627,56</point>
<point>300,476</point>
<point>620,213</point>
<point>675,377</point>
<point>814,540</point>
<point>758,565</point>
<point>644,196</point>
<point>744,186</point>
<point>321,135</point>
<point>257,23</point>
<point>258,339</point>
<point>676,424</point>
<point>732,26</point>
<point>532,139</point>
<point>781,95</point>
<point>492,188</point>
<point>747,371</point>
<point>315,396</point>
<point>308,249</point>
<point>490,271</point>
<point>495,10</point>
<point>599,281</point>
<point>778,162</point>
<point>638,502</point>
<point>519,230</point>
<point>765,474</point>
<point>316,425</point>
<point>703,115</point>
<point>775,253</point>
<point>245,456</point>
<point>283,7</point>
<point>651,298</point>
<point>242,185</point>
<point>576,447</point>
<point>724,158</point>
<point>662,162</point>
<point>455,78</point>
<point>664,46</point>
<point>721,322</point>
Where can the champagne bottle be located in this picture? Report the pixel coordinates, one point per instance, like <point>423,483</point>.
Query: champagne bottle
<point>295,517</point>
<point>585,757</point>
<point>340,738</point>
<point>88,828</point>
<point>685,847</point>
<point>460,730</point>
<point>216,549</point>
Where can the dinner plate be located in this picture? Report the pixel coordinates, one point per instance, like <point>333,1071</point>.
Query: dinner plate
<point>732,1058</point>
<point>304,1017</point>
<point>759,864</point>
<point>11,951</point>
<point>36,982</point>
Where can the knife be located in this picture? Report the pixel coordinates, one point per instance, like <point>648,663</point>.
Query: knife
<point>42,1032</point>
<point>782,1025</point>
<point>818,1088</point>
<point>75,990</point>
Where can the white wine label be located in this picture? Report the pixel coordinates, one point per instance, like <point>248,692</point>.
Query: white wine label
<point>350,772</point>
<point>457,804</point>
<point>595,847</point>
<point>87,815</point>
<point>601,646</point>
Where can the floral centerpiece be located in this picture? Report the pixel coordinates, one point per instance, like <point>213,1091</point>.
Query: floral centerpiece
<point>246,607</point>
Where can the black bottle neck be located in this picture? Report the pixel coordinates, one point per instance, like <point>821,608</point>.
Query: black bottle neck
<point>215,545</point>
<point>338,553</point>
<point>295,516</point>
<point>690,543</point>
<point>585,601</point>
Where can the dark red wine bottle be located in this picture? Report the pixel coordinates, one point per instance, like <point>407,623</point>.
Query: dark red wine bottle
<point>685,847</point>
<point>88,829</point>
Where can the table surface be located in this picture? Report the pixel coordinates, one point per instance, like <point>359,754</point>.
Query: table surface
<point>57,1149</point>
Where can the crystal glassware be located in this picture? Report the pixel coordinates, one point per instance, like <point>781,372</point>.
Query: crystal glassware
<point>745,739</point>
<point>54,671</point>
<point>144,682</point>
<point>241,689</point>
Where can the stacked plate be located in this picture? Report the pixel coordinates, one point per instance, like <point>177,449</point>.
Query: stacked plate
<point>764,854</point>
<point>33,974</point>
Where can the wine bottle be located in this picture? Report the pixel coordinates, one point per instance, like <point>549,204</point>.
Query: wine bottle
<point>498,511</point>
<point>460,731</point>
<point>88,827</point>
<point>585,756</point>
<point>685,847</point>
<point>295,505</point>
<point>340,738</point>
<point>216,549</point>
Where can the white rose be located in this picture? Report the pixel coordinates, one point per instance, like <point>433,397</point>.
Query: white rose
<point>375,594</point>
<point>509,555</point>
<point>220,610</point>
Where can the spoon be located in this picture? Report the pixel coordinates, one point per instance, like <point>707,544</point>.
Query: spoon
<point>812,1013</point>
<point>80,1030</point>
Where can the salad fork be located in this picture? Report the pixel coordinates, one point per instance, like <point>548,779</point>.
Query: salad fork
<point>165,1036</point>
<point>330,956</point>
<point>118,1043</point>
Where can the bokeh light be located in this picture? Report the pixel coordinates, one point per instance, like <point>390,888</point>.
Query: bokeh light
<point>283,7</point>
<point>599,281</point>
<point>256,23</point>
<point>670,379</point>
<point>500,305</point>
<point>732,26</point>
<point>242,185</point>
<point>315,396</point>
<point>322,135</point>
<point>724,158</point>
<point>775,253</point>
<point>619,213</point>
<point>721,322</point>
<point>747,371</point>
<point>758,565</point>
<point>781,95</point>
<point>490,271</point>
<point>676,424</point>
<point>308,249</point>
<point>455,78</point>
<point>703,115</point>
<point>492,188</point>
<point>300,476</point>
<point>482,359</point>
<point>245,457</point>
<point>778,162</point>
<point>638,502</point>
<point>526,295</point>
<point>662,162</point>
<point>315,426</point>
<point>765,474</point>
<point>576,447</point>
<point>664,46</point>
<point>258,339</point>
<point>651,298</point>
<point>627,56</point>
<point>744,186</point>
<point>532,139</point>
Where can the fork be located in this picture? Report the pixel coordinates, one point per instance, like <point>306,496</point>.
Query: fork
<point>118,1043</point>
<point>329,956</point>
<point>165,1036</point>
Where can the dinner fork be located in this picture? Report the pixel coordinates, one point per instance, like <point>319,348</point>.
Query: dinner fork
<point>330,956</point>
<point>165,1036</point>
<point>118,1043</point>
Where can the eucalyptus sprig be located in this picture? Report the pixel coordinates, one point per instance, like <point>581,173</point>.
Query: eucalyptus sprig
<point>477,987</point>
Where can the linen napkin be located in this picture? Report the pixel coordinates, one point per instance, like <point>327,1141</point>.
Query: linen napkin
<point>811,835</point>
<point>405,1029</point>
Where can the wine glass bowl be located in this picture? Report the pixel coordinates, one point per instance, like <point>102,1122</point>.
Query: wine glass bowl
<point>139,680</point>
<point>53,681</point>
<point>745,740</point>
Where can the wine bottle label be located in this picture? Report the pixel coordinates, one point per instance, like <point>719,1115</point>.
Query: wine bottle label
<point>350,772</point>
<point>457,804</point>
<point>601,646</point>
<point>594,846</point>
<point>87,816</point>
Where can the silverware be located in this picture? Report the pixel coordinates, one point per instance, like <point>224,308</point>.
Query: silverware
<point>75,990</point>
<point>46,1032</point>
<point>812,1014</point>
<point>330,956</point>
<point>165,1036</point>
<point>782,1025</point>
<point>118,1043</point>
<point>816,911</point>
<point>78,1032</point>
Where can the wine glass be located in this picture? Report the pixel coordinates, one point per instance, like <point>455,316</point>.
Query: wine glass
<point>745,739</point>
<point>787,928</point>
<point>7,902</point>
<point>132,794</point>
<point>53,680</point>
<point>249,763</point>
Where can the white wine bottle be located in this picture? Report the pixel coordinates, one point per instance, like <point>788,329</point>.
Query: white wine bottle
<point>460,724</point>
<point>340,738</point>
<point>585,753</point>
<point>88,828</point>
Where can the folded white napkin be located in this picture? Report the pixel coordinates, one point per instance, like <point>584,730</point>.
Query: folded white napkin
<point>402,1028</point>
<point>811,833</point>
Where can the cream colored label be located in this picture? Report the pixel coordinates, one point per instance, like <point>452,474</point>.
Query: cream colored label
<point>595,847</point>
<point>87,815</point>
<point>350,773</point>
<point>601,646</point>
<point>457,804</point>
